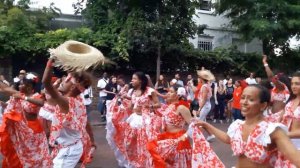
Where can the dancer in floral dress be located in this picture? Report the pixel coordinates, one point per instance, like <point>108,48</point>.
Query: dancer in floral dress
<point>118,111</point>
<point>291,116</point>
<point>23,140</point>
<point>141,126</point>
<point>255,141</point>
<point>279,94</point>
<point>69,119</point>
<point>172,148</point>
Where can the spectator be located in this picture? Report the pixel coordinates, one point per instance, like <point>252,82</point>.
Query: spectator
<point>102,95</point>
<point>226,80</point>
<point>189,78</point>
<point>111,90</point>
<point>162,88</point>
<point>179,82</point>
<point>251,80</point>
<point>229,94</point>
<point>87,97</point>
<point>236,106</point>
<point>19,79</point>
<point>220,97</point>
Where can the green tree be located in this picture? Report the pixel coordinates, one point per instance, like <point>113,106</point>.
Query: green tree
<point>144,30</point>
<point>272,21</point>
<point>18,26</point>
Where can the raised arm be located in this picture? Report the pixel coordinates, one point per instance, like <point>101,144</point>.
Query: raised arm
<point>60,100</point>
<point>6,89</point>
<point>270,73</point>
<point>268,70</point>
<point>285,146</point>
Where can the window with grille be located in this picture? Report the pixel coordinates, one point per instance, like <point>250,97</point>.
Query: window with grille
<point>206,5</point>
<point>205,43</point>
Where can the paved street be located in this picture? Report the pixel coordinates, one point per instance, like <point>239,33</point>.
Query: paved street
<point>104,157</point>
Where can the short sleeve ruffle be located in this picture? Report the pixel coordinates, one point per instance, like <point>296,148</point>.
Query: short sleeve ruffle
<point>265,139</point>
<point>234,127</point>
<point>150,91</point>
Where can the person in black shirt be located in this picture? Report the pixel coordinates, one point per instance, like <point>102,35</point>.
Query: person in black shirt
<point>111,90</point>
<point>162,88</point>
<point>229,95</point>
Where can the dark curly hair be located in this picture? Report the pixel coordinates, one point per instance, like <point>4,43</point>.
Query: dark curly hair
<point>144,80</point>
<point>84,78</point>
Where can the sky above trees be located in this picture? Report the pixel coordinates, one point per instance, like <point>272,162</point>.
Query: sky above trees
<point>64,5</point>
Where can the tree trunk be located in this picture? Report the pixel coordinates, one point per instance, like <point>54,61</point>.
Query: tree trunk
<point>158,62</point>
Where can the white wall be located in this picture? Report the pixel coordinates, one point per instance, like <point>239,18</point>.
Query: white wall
<point>223,35</point>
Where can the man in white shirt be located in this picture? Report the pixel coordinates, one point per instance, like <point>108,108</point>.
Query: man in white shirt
<point>87,96</point>
<point>251,80</point>
<point>102,95</point>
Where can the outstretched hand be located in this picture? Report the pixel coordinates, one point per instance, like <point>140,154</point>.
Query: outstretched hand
<point>200,123</point>
<point>265,58</point>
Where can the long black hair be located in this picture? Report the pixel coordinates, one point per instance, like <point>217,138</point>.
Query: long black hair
<point>144,81</point>
<point>292,95</point>
<point>285,80</point>
<point>264,94</point>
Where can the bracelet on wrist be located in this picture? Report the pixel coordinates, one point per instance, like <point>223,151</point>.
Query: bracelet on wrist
<point>26,98</point>
<point>265,65</point>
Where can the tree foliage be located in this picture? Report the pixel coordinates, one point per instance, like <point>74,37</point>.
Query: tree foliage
<point>131,33</point>
<point>273,21</point>
<point>18,25</point>
<point>143,28</point>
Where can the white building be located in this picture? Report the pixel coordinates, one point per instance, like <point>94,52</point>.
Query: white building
<point>218,32</point>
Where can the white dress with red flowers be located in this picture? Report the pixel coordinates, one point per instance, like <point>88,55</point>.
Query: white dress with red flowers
<point>23,142</point>
<point>118,112</point>
<point>135,131</point>
<point>168,152</point>
<point>69,130</point>
<point>255,146</point>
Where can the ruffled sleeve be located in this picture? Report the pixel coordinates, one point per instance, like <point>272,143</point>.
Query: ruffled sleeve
<point>265,139</point>
<point>150,91</point>
<point>234,127</point>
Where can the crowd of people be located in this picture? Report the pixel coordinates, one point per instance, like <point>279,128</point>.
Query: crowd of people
<point>46,122</point>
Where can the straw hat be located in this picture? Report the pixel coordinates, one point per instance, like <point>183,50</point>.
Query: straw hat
<point>75,55</point>
<point>206,74</point>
